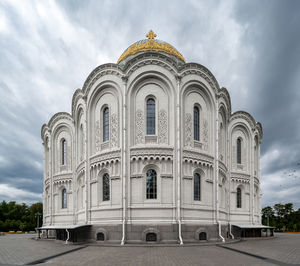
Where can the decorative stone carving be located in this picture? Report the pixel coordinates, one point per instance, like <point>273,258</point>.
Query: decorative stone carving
<point>139,128</point>
<point>205,134</point>
<point>163,127</point>
<point>188,129</point>
<point>114,130</point>
<point>98,136</point>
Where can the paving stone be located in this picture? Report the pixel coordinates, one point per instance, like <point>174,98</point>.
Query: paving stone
<point>284,249</point>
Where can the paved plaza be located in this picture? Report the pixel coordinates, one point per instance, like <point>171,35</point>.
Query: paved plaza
<point>283,249</point>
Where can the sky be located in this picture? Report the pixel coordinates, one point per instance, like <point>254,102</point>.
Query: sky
<point>48,48</point>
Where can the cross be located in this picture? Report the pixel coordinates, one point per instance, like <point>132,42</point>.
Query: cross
<point>151,35</point>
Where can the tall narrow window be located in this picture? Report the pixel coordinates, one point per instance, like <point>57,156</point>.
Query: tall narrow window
<point>81,142</point>
<point>197,187</point>
<point>106,190</point>
<point>64,198</point>
<point>239,151</point>
<point>105,124</point>
<point>238,198</point>
<point>196,123</point>
<point>63,152</point>
<point>151,184</point>
<point>150,117</point>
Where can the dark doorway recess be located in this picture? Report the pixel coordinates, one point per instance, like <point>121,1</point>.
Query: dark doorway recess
<point>100,237</point>
<point>151,237</point>
<point>202,236</point>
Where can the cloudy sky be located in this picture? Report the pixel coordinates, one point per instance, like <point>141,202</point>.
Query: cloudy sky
<point>48,48</point>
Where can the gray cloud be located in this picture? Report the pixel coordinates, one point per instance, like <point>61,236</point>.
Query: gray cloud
<point>48,49</point>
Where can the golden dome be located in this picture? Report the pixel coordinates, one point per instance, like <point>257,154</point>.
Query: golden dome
<point>150,44</point>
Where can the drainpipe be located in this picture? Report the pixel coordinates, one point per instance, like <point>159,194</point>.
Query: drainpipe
<point>68,236</point>
<point>124,161</point>
<point>178,161</point>
<point>217,168</point>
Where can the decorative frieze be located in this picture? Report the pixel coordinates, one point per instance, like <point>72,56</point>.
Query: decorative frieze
<point>98,136</point>
<point>139,127</point>
<point>163,127</point>
<point>205,134</point>
<point>188,129</point>
<point>114,130</point>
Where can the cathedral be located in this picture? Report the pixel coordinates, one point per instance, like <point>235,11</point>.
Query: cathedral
<point>151,153</point>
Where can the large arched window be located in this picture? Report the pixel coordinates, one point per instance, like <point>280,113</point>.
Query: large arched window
<point>238,198</point>
<point>150,116</point>
<point>63,151</point>
<point>197,187</point>
<point>64,198</point>
<point>151,184</point>
<point>106,189</point>
<point>239,151</point>
<point>196,123</point>
<point>105,124</point>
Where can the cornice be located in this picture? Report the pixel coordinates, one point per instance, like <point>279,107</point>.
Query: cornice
<point>198,69</point>
<point>59,116</point>
<point>102,70</point>
<point>197,157</point>
<point>244,115</point>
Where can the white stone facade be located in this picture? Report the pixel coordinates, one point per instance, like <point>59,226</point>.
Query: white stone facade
<point>77,155</point>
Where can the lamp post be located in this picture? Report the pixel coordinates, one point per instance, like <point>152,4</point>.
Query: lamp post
<point>38,215</point>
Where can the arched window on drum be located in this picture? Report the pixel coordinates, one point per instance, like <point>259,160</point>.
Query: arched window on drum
<point>150,116</point>
<point>239,151</point>
<point>196,123</point>
<point>105,124</point>
<point>63,149</point>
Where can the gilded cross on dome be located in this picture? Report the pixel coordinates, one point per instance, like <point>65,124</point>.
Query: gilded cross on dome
<point>151,35</point>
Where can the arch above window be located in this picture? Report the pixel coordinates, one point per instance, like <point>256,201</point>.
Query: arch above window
<point>150,116</point>
<point>239,151</point>
<point>196,123</point>
<point>105,124</point>
<point>238,197</point>
<point>151,184</point>
<point>197,187</point>
<point>106,187</point>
